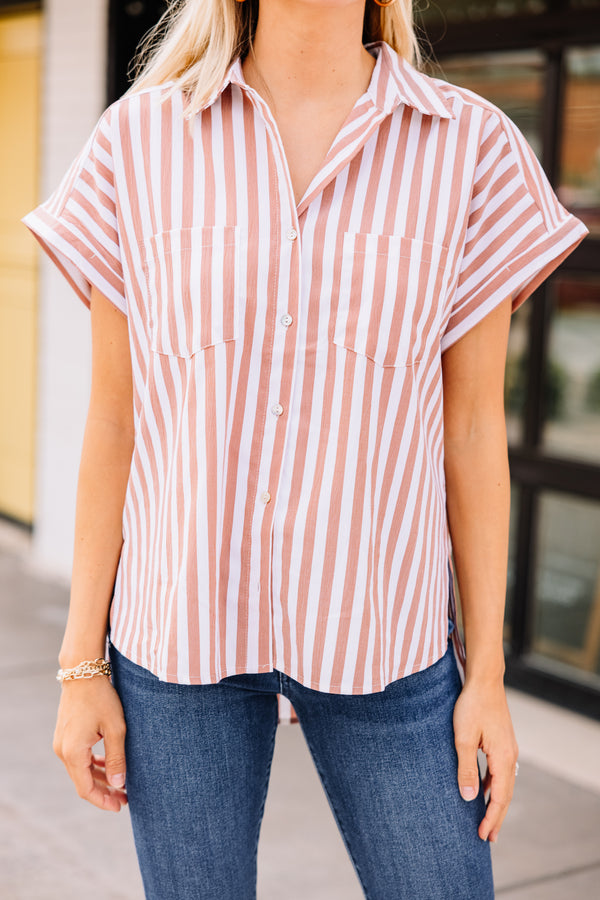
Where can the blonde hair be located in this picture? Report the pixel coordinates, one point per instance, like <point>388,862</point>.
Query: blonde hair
<point>195,41</point>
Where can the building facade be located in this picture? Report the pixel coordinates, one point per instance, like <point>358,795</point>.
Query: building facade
<point>539,60</point>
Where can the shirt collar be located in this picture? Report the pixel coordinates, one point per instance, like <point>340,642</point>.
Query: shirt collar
<point>393,81</point>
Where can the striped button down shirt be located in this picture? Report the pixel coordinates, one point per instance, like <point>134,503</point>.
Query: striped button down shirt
<point>286,505</point>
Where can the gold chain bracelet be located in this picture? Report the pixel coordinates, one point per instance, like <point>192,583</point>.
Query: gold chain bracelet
<point>86,669</point>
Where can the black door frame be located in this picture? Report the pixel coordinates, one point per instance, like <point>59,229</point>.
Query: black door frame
<point>128,22</point>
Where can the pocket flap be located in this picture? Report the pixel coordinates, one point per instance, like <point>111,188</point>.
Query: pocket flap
<point>391,292</point>
<point>193,279</point>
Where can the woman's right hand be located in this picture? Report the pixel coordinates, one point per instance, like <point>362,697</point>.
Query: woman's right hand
<point>89,710</point>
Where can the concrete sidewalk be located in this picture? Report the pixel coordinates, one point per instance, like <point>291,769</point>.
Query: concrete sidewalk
<point>54,846</point>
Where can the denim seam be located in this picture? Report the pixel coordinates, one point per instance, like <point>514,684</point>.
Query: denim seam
<point>264,799</point>
<point>337,816</point>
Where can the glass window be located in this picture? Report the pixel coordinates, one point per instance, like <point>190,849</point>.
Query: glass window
<point>455,11</point>
<point>579,180</point>
<point>515,379</point>
<point>571,406</point>
<point>567,583</point>
<point>584,4</point>
<point>512,552</point>
<point>461,11</point>
<point>513,81</point>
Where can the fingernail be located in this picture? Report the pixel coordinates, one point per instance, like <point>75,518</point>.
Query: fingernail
<point>468,793</point>
<point>117,780</point>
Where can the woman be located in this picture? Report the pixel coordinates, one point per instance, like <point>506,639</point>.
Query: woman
<point>301,257</point>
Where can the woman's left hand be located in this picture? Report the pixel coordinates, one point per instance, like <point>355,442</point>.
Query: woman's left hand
<point>482,721</point>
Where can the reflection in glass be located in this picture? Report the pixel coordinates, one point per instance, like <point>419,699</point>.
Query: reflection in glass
<point>571,409</point>
<point>579,181</point>
<point>462,11</point>
<point>513,81</point>
<point>455,11</point>
<point>567,582</point>
<point>515,379</point>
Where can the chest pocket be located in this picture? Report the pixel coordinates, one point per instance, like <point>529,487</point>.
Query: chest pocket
<point>193,276</point>
<point>391,292</point>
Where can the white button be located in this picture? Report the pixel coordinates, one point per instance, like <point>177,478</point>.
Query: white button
<point>277,409</point>
<point>292,234</point>
<point>286,319</point>
<point>265,496</point>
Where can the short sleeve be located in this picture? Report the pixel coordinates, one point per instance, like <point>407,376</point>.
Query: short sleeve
<point>517,231</point>
<point>77,225</point>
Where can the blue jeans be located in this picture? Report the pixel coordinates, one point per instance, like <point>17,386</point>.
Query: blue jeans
<point>198,763</point>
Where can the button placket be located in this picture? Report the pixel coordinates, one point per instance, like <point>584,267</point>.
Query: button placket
<point>281,348</point>
<point>286,320</point>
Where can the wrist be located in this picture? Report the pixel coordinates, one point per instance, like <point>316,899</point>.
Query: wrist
<point>85,670</point>
<point>70,656</point>
<point>485,672</point>
<point>484,653</point>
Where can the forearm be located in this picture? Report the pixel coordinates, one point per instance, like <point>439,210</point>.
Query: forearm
<point>478,502</point>
<point>103,474</point>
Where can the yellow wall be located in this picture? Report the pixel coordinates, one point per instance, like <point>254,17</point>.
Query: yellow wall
<point>20,54</point>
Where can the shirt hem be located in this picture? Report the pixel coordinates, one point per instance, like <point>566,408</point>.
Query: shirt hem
<point>378,687</point>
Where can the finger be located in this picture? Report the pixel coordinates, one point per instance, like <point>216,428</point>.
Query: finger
<point>468,771</point>
<point>487,783</point>
<point>114,759</point>
<point>99,776</point>
<point>79,766</point>
<point>94,792</point>
<point>502,785</point>
<point>118,793</point>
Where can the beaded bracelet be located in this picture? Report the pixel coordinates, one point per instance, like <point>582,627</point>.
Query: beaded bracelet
<point>86,669</point>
